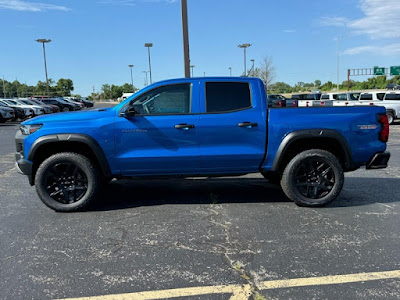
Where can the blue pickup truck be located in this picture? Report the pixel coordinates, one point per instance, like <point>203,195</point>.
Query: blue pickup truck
<point>200,127</point>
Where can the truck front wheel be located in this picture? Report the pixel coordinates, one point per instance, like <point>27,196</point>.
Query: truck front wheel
<point>313,178</point>
<point>67,182</point>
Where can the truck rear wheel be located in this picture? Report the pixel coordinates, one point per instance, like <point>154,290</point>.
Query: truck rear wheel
<point>390,117</point>
<point>313,178</point>
<point>67,182</point>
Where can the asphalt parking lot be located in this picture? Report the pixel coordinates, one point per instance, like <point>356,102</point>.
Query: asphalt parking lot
<point>226,238</point>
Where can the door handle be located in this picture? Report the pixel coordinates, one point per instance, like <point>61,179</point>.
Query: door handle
<point>184,126</point>
<point>247,124</point>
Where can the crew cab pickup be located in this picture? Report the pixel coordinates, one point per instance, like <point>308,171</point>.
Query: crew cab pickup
<point>201,127</point>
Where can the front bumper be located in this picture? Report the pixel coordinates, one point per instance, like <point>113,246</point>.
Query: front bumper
<point>22,165</point>
<point>379,161</point>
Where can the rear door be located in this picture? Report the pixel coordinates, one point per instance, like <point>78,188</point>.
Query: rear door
<point>232,127</point>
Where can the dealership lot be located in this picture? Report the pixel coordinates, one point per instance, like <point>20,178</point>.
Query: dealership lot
<point>202,238</point>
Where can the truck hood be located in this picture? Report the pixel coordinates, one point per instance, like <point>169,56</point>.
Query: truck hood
<point>70,116</point>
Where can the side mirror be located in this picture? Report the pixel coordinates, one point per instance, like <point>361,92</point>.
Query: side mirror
<point>129,112</point>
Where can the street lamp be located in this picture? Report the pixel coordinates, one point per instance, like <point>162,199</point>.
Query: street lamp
<point>252,67</point>
<point>230,71</point>
<point>133,89</point>
<point>185,32</point>
<point>192,67</point>
<point>44,41</point>
<point>146,82</point>
<point>244,46</point>
<point>149,45</point>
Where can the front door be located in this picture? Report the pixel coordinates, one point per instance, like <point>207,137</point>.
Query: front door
<point>162,137</point>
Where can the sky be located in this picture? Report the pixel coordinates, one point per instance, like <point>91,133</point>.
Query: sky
<point>94,41</point>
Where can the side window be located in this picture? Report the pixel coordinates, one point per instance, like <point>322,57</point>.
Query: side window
<point>170,99</point>
<point>334,96</point>
<point>342,97</point>
<point>325,97</point>
<point>227,96</point>
<point>380,96</point>
<point>366,97</point>
<point>354,96</point>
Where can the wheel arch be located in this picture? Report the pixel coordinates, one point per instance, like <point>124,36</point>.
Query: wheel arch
<point>46,146</point>
<point>325,139</point>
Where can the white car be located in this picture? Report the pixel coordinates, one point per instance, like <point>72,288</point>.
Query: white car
<point>390,100</point>
<point>37,110</point>
<point>346,99</point>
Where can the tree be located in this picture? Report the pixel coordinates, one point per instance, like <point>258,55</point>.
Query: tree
<point>65,87</point>
<point>317,83</point>
<point>266,72</point>
<point>281,87</point>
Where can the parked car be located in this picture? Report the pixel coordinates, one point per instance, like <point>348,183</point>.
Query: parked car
<point>276,100</point>
<point>19,112</point>
<point>393,86</point>
<point>47,109</point>
<point>346,99</point>
<point>306,100</point>
<point>87,103</point>
<point>37,110</point>
<point>54,108</point>
<point>6,114</point>
<point>78,104</point>
<point>221,127</point>
<point>64,106</point>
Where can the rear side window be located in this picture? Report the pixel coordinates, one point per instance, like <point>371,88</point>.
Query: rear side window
<point>325,97</point>
<point>227,96</point>
<point>366,97</point>
<point>392,97</point>
<point>380,96</point>
<point>342,97</point>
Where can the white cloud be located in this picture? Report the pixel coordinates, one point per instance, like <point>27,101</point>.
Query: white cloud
<point>384,50</point>
<point>381,19</point>
<point>289,31</point>
<point>20,5</point>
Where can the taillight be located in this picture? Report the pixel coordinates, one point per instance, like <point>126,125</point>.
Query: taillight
<point>294,103</point>
<point>307,103</point>
<point>280,103</point>
<point>371,104</point>
<point>384,132</point>
<point>346,103</point>
<point>322,103</point>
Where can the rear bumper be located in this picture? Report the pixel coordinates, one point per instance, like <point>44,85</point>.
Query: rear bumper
<point>379,161</point>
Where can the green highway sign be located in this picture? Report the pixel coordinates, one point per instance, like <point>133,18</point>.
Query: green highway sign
<point>395,70</point>
<point>379,71</point>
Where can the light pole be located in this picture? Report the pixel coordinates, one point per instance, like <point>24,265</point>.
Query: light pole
<point>230,71</point>
<point>44,41</point>
<point>185,31</point>
<point>146,82</point>
<point>192,67</point>
<point>131,66</point>
<point>149,45</point>
<point>252,67</point>
<point>244,46</point>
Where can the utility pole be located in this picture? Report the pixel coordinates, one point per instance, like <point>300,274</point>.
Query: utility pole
<point>244,46</point>
<point>185,31</point>
<point>44,41</point>
<point>338,64</point>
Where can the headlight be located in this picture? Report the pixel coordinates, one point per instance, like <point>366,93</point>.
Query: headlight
<point>29,129</point>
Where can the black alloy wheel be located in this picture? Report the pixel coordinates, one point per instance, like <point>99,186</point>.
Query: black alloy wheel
<point>313,178</point>
<point>67,182</point>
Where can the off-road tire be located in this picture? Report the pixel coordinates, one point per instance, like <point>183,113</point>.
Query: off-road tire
<point>48,172</point>
<point>326,175</point>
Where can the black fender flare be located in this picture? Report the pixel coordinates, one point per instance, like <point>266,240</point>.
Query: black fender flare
<point>73,137</point>
<point>314,134</point>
